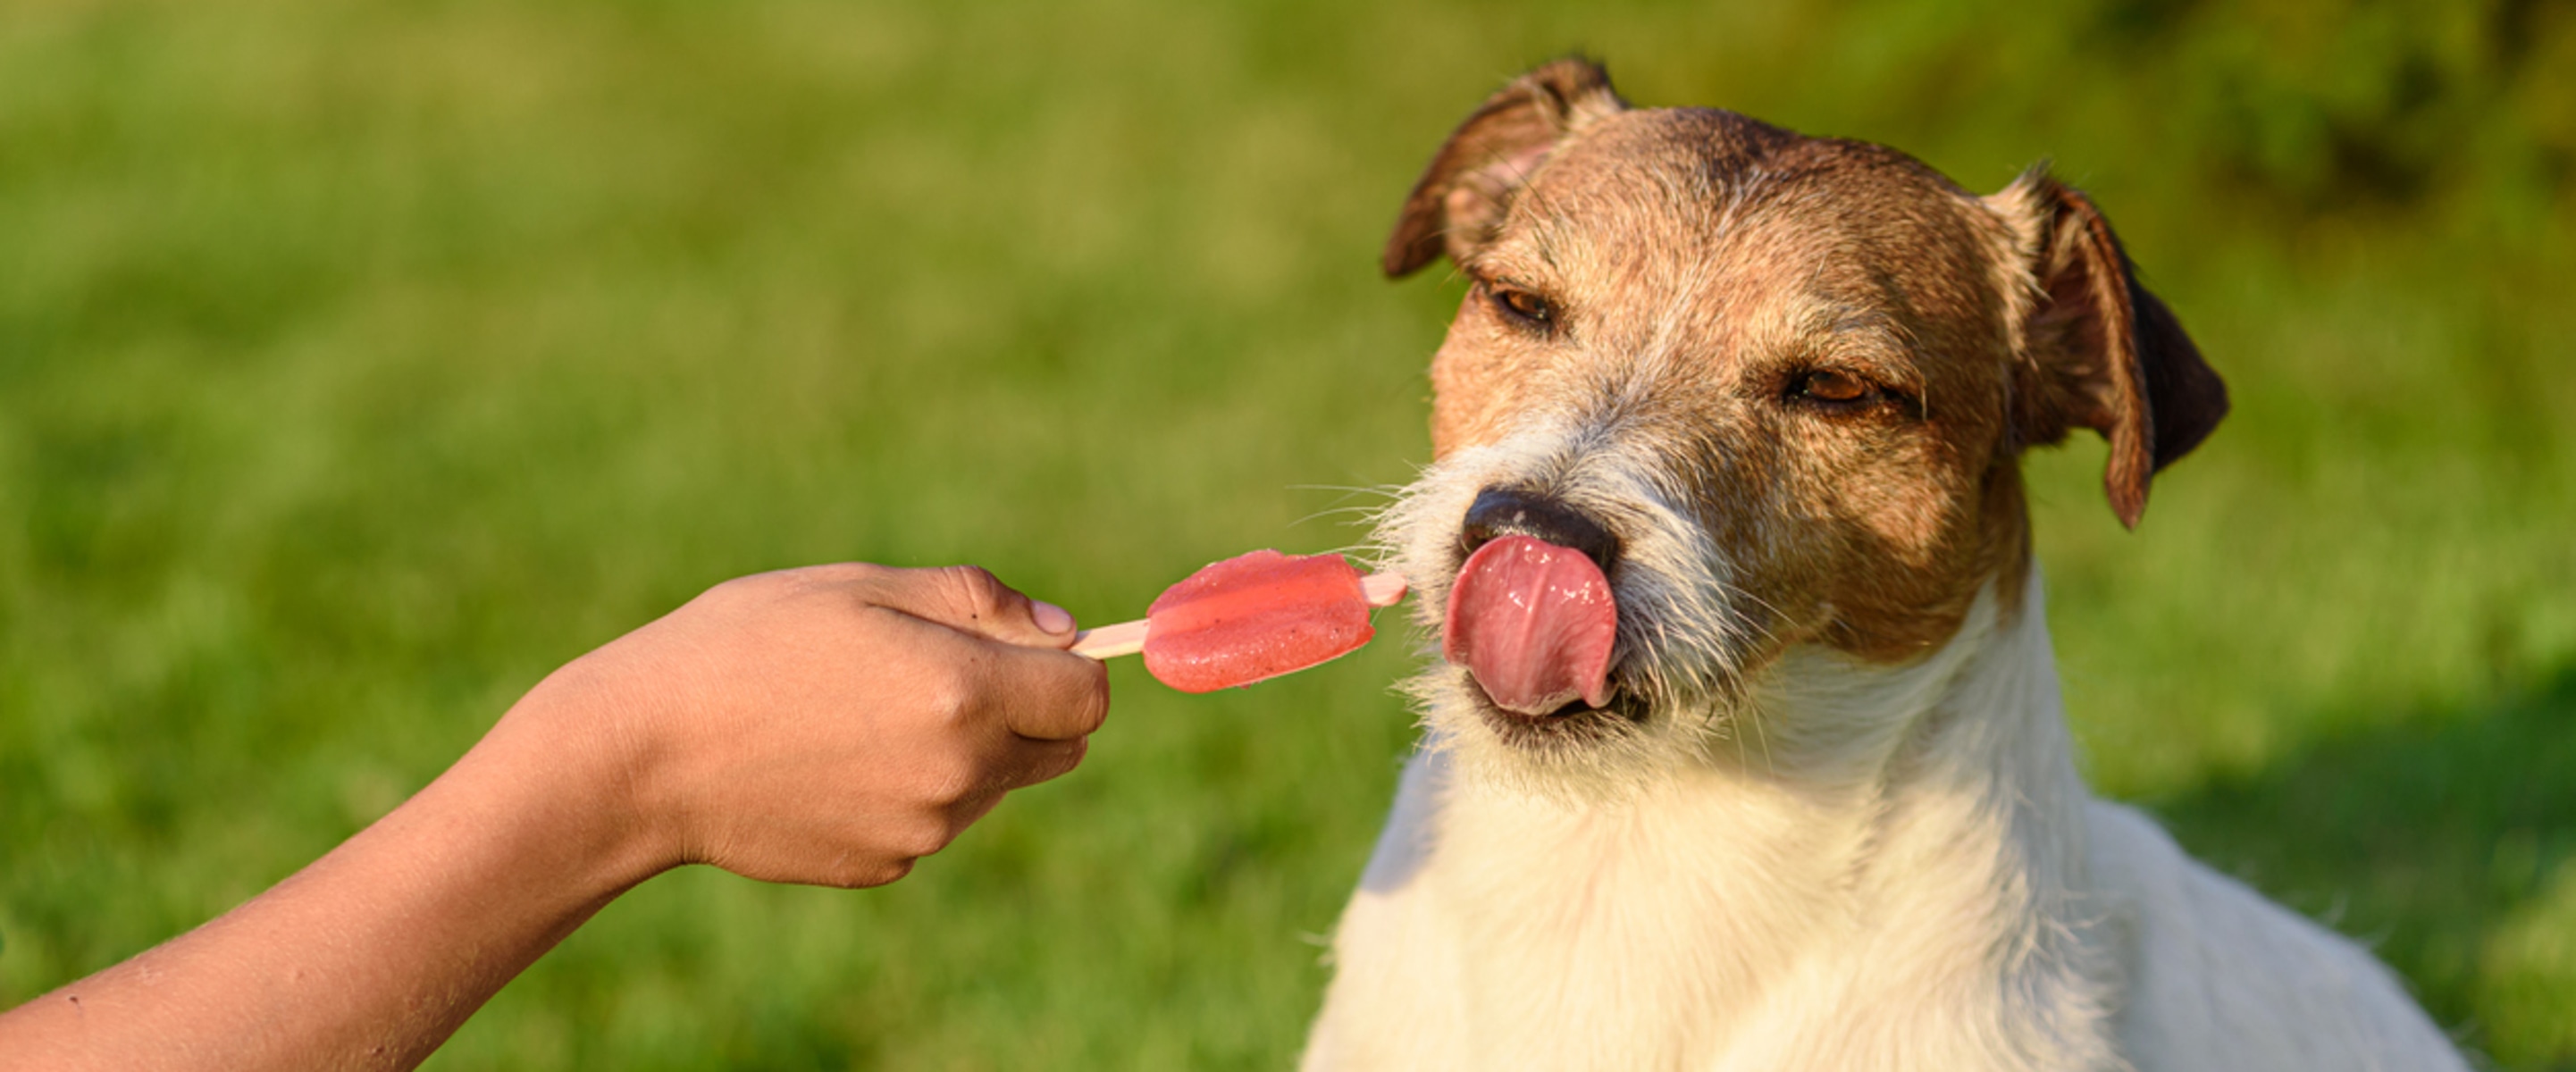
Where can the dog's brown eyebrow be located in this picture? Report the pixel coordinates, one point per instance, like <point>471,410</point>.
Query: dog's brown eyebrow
<point>1875,342</point>
<point>1849,320</point>
<point>1494,264</point>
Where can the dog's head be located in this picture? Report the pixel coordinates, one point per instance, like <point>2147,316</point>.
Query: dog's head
<point>1775,387</point>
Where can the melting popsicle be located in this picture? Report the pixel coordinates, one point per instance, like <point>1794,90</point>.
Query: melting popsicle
<point>1250,618</point>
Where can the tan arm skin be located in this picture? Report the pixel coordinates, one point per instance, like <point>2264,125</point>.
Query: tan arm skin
<point>827,726</point>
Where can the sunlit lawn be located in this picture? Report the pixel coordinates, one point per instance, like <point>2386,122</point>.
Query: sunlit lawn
<point>360,364</point>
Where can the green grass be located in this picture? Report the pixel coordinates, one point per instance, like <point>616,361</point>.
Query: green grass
<point>358,364</point>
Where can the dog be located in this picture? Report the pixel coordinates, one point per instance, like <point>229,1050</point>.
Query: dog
<point>1812,803</point>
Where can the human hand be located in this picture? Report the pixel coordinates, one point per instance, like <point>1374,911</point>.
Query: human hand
<point>828,725</point>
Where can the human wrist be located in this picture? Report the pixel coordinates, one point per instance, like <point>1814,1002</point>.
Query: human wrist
<point>575,771</point>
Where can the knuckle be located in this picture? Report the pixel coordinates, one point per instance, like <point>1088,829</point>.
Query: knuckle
<point>858,866</point>
<point>942,794</point>
<point>1074,704</point>
<point>955,784</point>
<point>1062,759</point>
<point>973,590</point>
<point>923,837</point>
<point>1091,705</point>
<point>950,691</point>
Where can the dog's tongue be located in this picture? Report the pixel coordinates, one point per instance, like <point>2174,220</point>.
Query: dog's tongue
<point>1534,623</point>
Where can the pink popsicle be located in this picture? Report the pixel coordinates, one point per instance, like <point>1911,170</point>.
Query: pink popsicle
<point>1250,618</point>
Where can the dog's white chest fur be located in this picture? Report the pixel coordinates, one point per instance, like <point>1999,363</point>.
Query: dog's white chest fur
<point>1919,881</point>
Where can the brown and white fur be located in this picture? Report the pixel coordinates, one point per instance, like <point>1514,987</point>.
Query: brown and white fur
<point>1831,820</point>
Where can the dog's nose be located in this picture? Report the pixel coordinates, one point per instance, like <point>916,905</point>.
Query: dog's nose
<point>1500,512</point>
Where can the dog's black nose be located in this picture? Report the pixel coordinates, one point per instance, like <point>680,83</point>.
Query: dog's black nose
<point>1514,512</point>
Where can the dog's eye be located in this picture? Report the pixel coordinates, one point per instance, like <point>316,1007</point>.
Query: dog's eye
<point>1839,390</point>
<point>1522,305</point>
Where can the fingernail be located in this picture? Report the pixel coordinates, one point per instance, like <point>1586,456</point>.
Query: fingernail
<point>1052,618</point>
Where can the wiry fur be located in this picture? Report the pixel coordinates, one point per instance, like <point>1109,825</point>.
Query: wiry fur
<point>1677,631</point>
<point>1910,876</point>
<point>1832,820</point>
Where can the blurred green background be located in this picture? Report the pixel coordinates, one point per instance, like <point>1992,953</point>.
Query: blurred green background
<point>360,363</point>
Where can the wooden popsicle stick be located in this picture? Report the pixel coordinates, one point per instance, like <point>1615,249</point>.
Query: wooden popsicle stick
<point>1111,641</point>
<point>1128,638</point>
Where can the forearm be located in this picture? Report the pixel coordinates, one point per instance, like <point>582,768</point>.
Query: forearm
<point>371,956</point>
<point>828,725</point>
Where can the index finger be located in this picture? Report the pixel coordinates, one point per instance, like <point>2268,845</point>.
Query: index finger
<point>1041,694</point>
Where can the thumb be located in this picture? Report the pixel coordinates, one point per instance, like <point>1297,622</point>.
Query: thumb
<point>970,599</point>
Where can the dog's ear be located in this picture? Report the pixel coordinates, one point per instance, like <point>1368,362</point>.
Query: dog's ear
<point>1462,196</point>
<point>2101,352</point>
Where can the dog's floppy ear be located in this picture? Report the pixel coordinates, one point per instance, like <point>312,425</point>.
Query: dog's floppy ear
<point>1462,196</point>
<point>2101,352</point>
